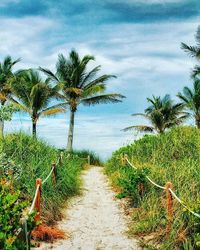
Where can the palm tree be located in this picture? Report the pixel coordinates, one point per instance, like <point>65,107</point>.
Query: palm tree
<point>191,99</point>
<point>80,86</point>
<point>6,75</point>
<point>162,114</point>
<point>194,51</point>
<point>33,95</point>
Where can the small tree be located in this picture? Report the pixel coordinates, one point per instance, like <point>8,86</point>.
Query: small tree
<point>6,76</point>
<point>80,86</point>
<point>6,112</point>
<point>34,95</point>
<point>161,114</point>
<point>191,99</point>
<point>194,51</point>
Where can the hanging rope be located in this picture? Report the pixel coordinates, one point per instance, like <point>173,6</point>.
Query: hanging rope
<point>164,188</point>
<point>182,203</point>
<point>45,180</point>
<point>34,199</point>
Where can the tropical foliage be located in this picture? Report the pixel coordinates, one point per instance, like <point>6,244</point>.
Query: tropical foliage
<point>6,75</point>
<point>23,159</point>
<point>191,99</point>
<point>80,86</point>
<point>6,112</point>
<point>194,51</point>
<point>74,84</point>
<point>11,211</point>
<point>33,96</point>
<point>162,114</point>
<point>172,156</point>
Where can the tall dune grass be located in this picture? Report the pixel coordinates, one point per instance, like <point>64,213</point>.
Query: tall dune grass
<point>34,159</point>
<point>175,157</point>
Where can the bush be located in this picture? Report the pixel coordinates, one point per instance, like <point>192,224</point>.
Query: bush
<point>11,210</point>
<point>173,156</point>
<point>33,159</point>
<point>23,160</point>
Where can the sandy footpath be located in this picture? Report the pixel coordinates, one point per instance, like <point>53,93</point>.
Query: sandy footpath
<point>94,220</point>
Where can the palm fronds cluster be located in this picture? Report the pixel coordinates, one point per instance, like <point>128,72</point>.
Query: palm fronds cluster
<point>164,113</point>
<point>71,85</point>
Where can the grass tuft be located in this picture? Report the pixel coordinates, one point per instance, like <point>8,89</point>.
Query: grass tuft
<point>173,156</point>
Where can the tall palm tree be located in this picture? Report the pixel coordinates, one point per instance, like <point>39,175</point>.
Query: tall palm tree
<point>194,51</point>
<point>80,86</point>
<point>191,99</point>
<point>6,74</point>
<point>162,114</point>
<point>33,95</point>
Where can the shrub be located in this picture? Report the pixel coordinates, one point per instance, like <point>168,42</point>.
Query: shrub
<point>173,156</point>
<point>11,210</point>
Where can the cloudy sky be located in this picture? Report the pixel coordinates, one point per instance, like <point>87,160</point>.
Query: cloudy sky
<point>137,40</point>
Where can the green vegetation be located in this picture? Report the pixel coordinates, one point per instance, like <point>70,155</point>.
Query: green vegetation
<point>10,215</point>
<point>6,75</point>
<point>162,114</point>
<point>33,95</point>
<point>23,159</point>
<point>191,100</point>
<point>71,83</point>
<point>173,156</point>
<point>80,86</point>
<point>194,51</point>
<point>6,112</point>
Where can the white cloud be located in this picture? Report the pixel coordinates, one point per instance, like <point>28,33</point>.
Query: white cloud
<point>100,133</point>
<point>146,58</point>
<point>24,38</point>
<point>4,3</point>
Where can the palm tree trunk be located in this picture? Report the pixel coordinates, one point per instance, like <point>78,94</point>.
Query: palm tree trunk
<point>34,128</point>
<point>1,128</point>
<point>71,132</point>
<point>2,123</point>
<point>198,123</point>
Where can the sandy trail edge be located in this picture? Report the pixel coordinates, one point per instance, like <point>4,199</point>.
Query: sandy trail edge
<point>94,220</point>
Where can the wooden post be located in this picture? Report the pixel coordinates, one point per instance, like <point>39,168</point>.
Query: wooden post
<point>88,159</point>
<point>38,200</point>
<point>54,174</point>
<point>169,206</point>
<point>141,189</point>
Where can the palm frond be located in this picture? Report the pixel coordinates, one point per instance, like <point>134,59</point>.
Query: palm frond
<point>140,114</point>
<point>89,76</point>
<point>99,80</point>
<point>49,74</point>
<point>102,99</point>
<point>96,89</point>
<point>191,50</point>
<point>140,128</point>
<point>195,71</point>
<point>188,93</point>
<point>52,111</point>
<point>79,85</point>
<point>21,107</point>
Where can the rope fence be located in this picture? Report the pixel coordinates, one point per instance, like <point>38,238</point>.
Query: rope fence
<point>170,194</point>
<point>36,203</point>
<point>88,158</point>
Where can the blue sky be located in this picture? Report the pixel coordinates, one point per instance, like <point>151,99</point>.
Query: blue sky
<point>137,40</point>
